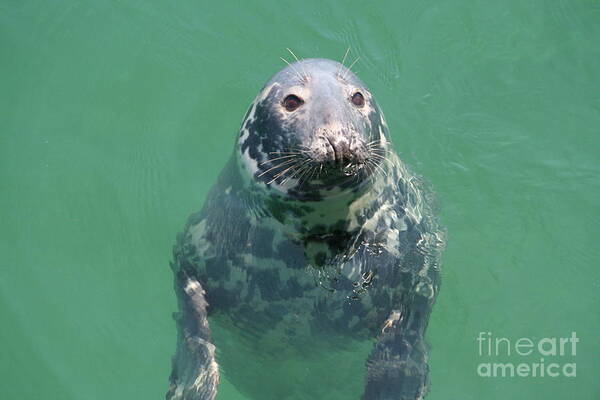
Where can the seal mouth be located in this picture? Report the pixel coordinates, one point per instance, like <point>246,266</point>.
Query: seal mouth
<point>332,164</point>
<point>351,169</point>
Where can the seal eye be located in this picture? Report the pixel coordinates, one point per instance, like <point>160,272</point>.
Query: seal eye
<point>292,102</point>
<point>358,99</point>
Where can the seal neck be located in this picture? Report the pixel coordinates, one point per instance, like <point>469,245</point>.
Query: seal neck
<point>330,227</point>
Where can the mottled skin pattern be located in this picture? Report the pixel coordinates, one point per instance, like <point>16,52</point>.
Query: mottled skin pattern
<point>314,229</point>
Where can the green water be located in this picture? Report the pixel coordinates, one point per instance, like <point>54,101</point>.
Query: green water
<point>116,117</point>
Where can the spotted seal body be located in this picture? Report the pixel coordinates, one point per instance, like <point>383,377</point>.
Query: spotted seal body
<point>316,235</point>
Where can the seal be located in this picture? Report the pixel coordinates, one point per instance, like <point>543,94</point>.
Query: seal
<point>316,235</point>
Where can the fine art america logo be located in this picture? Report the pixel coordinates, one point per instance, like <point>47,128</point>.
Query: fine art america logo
<point>536,358</point>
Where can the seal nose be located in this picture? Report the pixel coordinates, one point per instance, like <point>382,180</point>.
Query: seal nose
<point>335,148</point>
<point>344,150</point>
<point>341,150</point>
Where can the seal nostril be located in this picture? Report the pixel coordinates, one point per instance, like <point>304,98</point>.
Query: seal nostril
<point>337,156</point>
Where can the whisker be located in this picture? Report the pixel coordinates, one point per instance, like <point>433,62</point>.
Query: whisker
<point>294,68</point>
<point>374,142</point>
<point>371,168</point>
<point>292,53</point>
<point>296,165</point>
<point>296,149</point>
<point>287,179</point>
<point>378,156</point>
<point>315,168</point>
<point>383,159</point>
<point>349,69</point>
<point>297,60</point>
<point>377,145</point>
<point>304,166</point>
<point>305,173</point>
<point>375,173</point>
<point>281,173</point>
<point>343,61</point>
<point>295,172</point>
<point>378,150</point>
<point>299,153</point>
<point>381,169</point>
<point>277,158</point>
<point>277,166</point>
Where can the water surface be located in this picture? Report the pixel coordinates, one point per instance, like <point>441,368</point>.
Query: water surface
<point>117,116</point>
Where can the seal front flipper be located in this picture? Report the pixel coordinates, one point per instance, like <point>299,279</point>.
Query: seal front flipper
<point>397,366</point>
<point>195,373</point>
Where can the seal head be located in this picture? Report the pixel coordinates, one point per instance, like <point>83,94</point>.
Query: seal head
<point>313,131</point>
